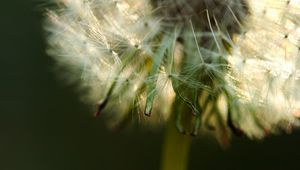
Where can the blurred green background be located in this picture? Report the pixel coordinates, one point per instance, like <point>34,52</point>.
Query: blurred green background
<point>43,125</point>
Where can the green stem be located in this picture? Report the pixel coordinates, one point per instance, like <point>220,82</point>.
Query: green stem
<point>175,149</point>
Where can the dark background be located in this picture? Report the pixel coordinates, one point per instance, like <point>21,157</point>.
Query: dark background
<point>43,125</point>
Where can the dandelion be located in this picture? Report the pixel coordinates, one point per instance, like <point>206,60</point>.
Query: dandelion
<point>212,66</point>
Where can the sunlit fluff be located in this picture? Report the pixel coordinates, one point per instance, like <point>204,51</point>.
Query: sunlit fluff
<point>237,74</point>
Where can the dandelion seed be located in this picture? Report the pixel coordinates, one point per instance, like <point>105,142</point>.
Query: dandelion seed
<point>221,66</point>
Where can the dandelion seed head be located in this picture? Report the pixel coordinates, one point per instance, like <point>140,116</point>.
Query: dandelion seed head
<point>223,67</point>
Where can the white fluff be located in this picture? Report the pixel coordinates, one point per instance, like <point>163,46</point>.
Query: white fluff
<point>114,43</point>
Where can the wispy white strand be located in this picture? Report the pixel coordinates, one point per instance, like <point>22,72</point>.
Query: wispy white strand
<point>114,43</point>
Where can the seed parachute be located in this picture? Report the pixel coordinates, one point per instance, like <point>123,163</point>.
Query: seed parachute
<point>217,66</point>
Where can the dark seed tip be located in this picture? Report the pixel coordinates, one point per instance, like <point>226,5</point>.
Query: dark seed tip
<point>193,134</point>
<point>148,114</point>
<point>97,114</point>
<point>183,132</point>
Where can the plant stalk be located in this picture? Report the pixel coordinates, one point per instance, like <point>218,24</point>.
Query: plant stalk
<point>175,149</point>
